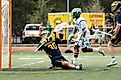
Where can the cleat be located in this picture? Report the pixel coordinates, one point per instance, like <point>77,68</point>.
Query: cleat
<point>80,67</point>
<point>101,51</point>
<point>51,67</point>
<point>112,63</point>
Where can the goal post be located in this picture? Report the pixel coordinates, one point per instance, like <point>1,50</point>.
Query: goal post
<point>5,33</point>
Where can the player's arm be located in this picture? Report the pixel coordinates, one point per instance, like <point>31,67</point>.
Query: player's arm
<point>71,36</point>
<point>118,23</point>
<point>58,41</point>
<point>117,28</point>
<point>40,46</point>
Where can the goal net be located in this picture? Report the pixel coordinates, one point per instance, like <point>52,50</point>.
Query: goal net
<point>5,61</point>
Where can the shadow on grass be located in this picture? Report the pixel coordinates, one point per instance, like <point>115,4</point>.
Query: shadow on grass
<point>39,69</point>
<point>27,69</point>
<point>86,69</point>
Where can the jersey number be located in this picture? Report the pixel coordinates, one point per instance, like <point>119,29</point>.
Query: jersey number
<point>52,45</point>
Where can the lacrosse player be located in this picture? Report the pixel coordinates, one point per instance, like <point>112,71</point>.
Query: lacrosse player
<point>82,39</point>
<point>116,9</point>
<point>49,45</point>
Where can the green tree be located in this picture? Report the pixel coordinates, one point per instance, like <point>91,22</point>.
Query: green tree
<point>41,13</point>
<point>36,11</point>
<point>21,8</point>
<point>59,5</point>
<point>94,7</point>
<point>107,5</point>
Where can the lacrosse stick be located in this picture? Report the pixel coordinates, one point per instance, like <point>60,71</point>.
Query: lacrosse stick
<point>68,42</point>
<point>100,33</point>
<point>50,36</point>
<point>38,47</point>
<point>60,27</point>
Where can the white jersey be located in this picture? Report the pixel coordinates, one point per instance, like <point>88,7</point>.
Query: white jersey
<point>83,32</point>
<point>82,27</point>
<point>81,24</point>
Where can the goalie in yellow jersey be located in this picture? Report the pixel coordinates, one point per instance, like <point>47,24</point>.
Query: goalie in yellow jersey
<point>50,46</point>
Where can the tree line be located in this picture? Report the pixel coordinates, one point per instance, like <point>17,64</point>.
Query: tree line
<point>36,11</point>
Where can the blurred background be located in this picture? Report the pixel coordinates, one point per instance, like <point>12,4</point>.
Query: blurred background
<point>36,12</point>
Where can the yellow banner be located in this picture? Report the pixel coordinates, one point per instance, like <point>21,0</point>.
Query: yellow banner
<point>57,18</point>
<point>94,19</point>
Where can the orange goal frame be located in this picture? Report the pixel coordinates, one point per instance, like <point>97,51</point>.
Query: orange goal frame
<point>10,34</point>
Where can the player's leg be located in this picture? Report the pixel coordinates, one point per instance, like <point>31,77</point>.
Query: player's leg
<point>86,47</point>
<point>99,50</point>
<point>114,40</point>
<point>111,51</point>
<point>61,62</point>
<point>76,53</point>
<point>66,65</point>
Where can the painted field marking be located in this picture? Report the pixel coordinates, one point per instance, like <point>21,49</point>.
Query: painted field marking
<point>31,58</point>
<point>30,64</point>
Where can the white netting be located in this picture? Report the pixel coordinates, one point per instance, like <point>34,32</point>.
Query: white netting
<point>5,33</point>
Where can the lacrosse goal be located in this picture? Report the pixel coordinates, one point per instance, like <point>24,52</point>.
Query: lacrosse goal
<point>5,33</point>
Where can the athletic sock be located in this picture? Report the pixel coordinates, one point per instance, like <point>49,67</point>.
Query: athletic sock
<point>75,61</point>
<point>95,49</point>
<point>113,59</point>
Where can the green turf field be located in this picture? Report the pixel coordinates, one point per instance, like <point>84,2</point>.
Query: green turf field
<point>30,66</point>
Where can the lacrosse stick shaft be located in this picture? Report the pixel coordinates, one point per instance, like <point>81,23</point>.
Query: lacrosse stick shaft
<point>101,32</point>
<point>38,47</point>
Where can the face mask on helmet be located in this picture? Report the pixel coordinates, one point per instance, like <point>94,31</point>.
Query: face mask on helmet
<point>43,31</point>
<point>44,34</point>
<point>76,13</point>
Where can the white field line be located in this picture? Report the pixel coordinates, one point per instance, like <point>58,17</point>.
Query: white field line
<point>38,72</point>
<point>30,64</point>
<point>43,60</point>
<point>31,58</point>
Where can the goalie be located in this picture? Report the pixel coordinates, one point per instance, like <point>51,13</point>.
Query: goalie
<point>49,45</point>
<point>82,39</point>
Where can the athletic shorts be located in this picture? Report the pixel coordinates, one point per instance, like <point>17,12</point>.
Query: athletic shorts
<point>57,61</point>
<point>116,39</point>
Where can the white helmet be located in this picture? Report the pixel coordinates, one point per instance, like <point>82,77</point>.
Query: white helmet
<point>76,12</point>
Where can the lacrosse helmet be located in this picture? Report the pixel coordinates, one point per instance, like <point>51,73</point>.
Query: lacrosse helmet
<point>115,6</point>
<point>43,31</point>
<point>76,13</point>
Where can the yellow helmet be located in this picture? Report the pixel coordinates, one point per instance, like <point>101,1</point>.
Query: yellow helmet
<point>116,5</point>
